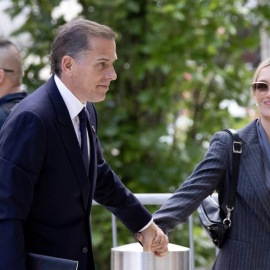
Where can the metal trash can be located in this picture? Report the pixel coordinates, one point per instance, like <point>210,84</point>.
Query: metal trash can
<point>132,257</point>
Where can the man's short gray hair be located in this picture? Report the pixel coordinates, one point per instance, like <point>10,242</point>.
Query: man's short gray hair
<point>74,39</point>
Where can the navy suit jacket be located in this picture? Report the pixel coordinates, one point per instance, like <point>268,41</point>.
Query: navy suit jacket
<point>247,246</point>
<point>45,194</point>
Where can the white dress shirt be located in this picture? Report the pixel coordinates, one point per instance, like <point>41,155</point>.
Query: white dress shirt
<point>74,107</point>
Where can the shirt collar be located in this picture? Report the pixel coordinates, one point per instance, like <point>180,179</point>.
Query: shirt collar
<point>74,105</point>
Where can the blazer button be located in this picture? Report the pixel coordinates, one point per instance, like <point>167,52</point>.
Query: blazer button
<point>85,250</point>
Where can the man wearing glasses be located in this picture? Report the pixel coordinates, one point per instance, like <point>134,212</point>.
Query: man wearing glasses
<point>10,79</point>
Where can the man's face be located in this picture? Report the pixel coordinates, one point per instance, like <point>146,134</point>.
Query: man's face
<point>91,75</point>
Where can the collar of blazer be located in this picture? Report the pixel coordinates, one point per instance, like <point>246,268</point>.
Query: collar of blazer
<point>252,163</point>
<point>67,133</point>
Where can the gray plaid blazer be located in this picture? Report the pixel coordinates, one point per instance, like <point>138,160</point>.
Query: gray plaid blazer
<point>248,242</point>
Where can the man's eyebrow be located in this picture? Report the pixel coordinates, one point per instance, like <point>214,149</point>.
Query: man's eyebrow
<point>105,59</point>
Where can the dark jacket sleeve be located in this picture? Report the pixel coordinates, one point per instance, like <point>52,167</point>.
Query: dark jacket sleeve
<point>3,117</point>
<point>202,182</point>
<point>114,196</point>
<point>21,156</point>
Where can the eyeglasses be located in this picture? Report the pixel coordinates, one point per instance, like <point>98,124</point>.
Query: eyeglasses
<point>7,70</point>
<point>260,88</point>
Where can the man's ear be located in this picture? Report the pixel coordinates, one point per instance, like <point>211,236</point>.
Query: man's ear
<point>67,65</point>
<point>2,75</point>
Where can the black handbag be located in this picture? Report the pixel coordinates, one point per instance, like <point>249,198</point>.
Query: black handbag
<point>210,213</point>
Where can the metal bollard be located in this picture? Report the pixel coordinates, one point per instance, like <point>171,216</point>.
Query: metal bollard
<point>132,257</point>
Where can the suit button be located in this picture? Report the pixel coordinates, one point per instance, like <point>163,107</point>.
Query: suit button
<point>85,250</point>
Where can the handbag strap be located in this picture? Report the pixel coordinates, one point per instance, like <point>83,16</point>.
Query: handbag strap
<point>236,152</point>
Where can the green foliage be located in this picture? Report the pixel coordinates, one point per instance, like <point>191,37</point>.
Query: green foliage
<point>178,60</point>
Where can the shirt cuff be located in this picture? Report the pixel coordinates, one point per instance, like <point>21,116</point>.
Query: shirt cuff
<point>147,225</point>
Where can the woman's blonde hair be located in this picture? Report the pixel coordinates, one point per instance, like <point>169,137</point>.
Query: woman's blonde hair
<point>262,65</point>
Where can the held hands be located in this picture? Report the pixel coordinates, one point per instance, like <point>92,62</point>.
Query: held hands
<point>153,239</point>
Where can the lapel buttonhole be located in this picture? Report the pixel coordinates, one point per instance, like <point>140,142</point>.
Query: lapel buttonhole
<point>93,129</point>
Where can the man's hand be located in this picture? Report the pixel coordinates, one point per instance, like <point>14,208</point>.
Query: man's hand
<point>154,240</point>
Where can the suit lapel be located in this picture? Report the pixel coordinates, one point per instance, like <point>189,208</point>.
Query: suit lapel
<point>252,163</point>
<point>69,139</point>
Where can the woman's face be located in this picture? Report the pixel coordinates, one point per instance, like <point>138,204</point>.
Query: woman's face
<point>263,97</point>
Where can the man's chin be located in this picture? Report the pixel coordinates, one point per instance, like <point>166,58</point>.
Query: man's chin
<point>99,99</point>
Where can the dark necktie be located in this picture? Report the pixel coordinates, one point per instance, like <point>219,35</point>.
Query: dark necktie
<point>84,148</point>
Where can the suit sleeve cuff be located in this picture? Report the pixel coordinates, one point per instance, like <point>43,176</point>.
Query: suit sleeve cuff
<point>147,225</point>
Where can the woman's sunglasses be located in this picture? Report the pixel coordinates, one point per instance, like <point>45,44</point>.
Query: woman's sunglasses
<point>260,88</point>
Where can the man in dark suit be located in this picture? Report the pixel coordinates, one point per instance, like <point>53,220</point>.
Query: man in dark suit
<point>50,170</point>
<point>11,73</point>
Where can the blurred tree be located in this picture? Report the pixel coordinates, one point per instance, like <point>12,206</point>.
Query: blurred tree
<point>178,61</point>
